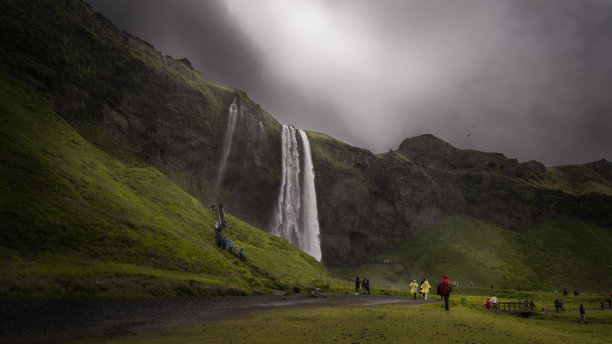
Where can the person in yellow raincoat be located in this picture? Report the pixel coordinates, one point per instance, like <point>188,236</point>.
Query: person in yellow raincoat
<point>414,288</point>
<point>425,288</point>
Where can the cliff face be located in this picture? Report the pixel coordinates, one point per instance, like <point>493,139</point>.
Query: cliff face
<point>368,203</point>
<point>127,98</point>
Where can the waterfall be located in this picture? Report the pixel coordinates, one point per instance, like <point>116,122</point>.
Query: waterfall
<point>227,144</point>
<point>296,217</point>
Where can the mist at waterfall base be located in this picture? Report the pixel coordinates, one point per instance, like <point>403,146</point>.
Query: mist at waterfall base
<point>295,217</point>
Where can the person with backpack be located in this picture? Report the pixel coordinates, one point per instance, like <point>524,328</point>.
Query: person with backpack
<point>439,290</point>
<point>425,289</point>
<point>224,242</point>
<point>231,246</point>
<point>446,287</point>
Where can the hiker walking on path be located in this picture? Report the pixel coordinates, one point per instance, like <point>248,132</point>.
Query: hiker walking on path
<point>231,246</point>
<point>414,288</point>
<point>557,306</point>
<point>582,314</point>
<point>425,289</point>
<point>357,285</point>
<point>446,288</point>
<point>367,286</point>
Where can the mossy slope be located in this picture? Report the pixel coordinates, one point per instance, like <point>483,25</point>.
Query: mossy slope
<point>74,221</point>
<point>567,253</point>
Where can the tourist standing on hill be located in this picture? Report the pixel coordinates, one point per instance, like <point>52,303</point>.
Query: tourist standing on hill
<point>582,314</point>
<point>557,306</point>
<point>367,286</point>
<point>425,289</point>
<point>357,285</point>
<point>414,288</point>
<point>446,288</point>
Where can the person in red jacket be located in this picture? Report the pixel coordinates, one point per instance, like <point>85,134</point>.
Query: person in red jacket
<point>445,288</point>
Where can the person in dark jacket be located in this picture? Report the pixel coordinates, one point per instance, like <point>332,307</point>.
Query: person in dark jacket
<point>367,286</point>
<point>582,314</point>
<point>224,242</point>
<point>445,289</point>
<point>357,285</point>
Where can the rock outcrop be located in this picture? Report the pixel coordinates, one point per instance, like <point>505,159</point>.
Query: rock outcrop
<point>368,202</point>
<point>127,98</point>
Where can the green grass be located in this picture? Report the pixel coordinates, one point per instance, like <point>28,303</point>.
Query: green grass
<point>575,180</point>
<point>400,323</point>
<point>72,215</point>
<point>567,253</point>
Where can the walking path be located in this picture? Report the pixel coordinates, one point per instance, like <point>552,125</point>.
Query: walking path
<point>48,321</point>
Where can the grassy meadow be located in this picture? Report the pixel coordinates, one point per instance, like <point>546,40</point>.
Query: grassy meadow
<point>470,250</point>
<point>467,322</point>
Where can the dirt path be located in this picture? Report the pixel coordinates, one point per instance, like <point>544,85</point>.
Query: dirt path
<point>48,321</point>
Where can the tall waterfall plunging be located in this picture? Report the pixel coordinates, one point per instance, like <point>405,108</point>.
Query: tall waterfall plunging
<point>296,217</point>
<point>227,144</point>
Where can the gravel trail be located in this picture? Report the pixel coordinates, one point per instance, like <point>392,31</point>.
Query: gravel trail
<point>52,321</point>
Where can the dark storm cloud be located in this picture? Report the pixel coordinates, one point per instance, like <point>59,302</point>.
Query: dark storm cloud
<point>527,78</point>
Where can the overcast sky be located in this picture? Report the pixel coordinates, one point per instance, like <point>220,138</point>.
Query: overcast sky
<point>528,78</point>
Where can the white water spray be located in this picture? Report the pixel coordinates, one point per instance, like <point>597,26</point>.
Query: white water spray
<point>227,143</point>
<point>296,217</point>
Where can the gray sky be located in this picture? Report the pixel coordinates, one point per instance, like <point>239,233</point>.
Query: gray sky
<point>528,78</point>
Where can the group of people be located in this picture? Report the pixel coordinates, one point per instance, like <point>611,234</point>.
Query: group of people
<point>566,292</point>
<point>362,287</point>
<point>491,303</point>
<point>223,243</point>
<point>423,288</point>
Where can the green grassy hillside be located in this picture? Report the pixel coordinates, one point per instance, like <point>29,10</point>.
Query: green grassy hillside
<point>567,253</point>
<point>575,180</point>
<point>78,222</point>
